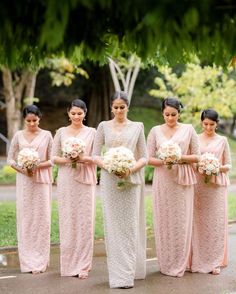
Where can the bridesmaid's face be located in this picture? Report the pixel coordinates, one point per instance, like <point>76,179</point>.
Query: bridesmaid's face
<point>31,121</point>
<point>209,126</point>
<point>76,115</point>
<point>171,116</point>
<point>119,108</point>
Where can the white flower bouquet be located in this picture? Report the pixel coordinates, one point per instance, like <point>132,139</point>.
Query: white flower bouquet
<point>208,165</point>
<point>28,159</point>
<point>118,160</point>
<point>170,153</point>
<point>73,148</point>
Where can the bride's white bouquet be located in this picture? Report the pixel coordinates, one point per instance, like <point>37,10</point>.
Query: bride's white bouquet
<point>118,160</point>
<point>208,165</point>
<point>170,153</point>
<point>73,148</point>
<point>28,158</point>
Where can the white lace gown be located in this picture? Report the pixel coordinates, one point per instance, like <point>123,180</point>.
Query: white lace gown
<point>123,210</point>
<point>33,204</point>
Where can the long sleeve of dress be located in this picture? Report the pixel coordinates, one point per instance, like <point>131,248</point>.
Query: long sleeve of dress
<point>141,145</point>
<point>194,143</point>
<point>14,148</point>
<point>226,160</point>
<point>98,141</point>
<point>151,143</point>
<point>49,149</point>
<point>56,146</point>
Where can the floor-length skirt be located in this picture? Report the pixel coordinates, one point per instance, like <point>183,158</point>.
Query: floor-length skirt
<point>33,204</point>
<point>210,228</point>
<point>124,228</point>
<point>76,202</point>
<point>173,213</point>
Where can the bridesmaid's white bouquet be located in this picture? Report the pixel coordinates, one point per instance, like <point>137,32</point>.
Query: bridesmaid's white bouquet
<point>28,158</point>
<point>73,148</point>
<point>170,153</point>
<point>118,160</point>
<point>208,165</point>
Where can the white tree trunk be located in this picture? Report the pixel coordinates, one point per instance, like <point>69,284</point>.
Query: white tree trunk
<point>131,75</point>
<point>14,87</point>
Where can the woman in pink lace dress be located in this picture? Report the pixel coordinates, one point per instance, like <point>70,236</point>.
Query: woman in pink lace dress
<point>76,195</point>
<point>210,234</point>
<point>33,194</point>
<point>123,209</point>
<point>173,190</point>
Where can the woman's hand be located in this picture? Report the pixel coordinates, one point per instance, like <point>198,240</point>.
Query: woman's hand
<point>124,174</point>
<point>224,169</point>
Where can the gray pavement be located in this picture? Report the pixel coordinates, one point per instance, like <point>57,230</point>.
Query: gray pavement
<point>8,192</point>
<point>50,282</point>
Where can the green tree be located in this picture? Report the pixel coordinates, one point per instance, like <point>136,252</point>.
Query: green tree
<point>198,87</point>
<point>94,29</point>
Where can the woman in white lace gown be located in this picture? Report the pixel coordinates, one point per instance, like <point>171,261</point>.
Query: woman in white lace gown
<point>33,194</point>
<point>76,195</point>
<point>123,210</point>
<point>173,190</point>
<point>210,233</point>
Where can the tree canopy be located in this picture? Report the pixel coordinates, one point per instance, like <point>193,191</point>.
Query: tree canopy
<point>167,30</point>
<point>198,88</point>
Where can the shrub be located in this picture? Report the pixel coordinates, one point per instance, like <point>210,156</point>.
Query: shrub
<point>7,175</point>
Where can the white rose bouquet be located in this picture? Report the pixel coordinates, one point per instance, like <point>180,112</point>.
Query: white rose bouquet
<point>208,165</point>
<point>73,148</point>
<point>28,159</point>
<point>170,153</point>
<point>118,160</point>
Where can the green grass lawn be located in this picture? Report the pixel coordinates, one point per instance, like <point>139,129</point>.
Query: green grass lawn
<point>8,220</point>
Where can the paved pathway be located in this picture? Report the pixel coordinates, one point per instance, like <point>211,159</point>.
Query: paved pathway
<point>8,193</point>
<point>13,282</point>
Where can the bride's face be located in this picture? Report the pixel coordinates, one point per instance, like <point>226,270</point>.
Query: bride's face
<point>119,108</point>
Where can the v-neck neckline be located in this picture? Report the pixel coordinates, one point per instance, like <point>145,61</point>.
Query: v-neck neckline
<point>32,139</point>
<point>121,130</point>
<point>169,139</point>
<point>210,142</point>
<point>79,132</point>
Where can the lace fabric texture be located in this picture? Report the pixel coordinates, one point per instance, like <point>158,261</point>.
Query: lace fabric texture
<point>173,202</point>
<point>33,205</point>
<point>123,210</point>
<point>76,204</point>
<point>210,233</point>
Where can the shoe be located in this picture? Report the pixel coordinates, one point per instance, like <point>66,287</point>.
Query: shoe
<point>216,271</point>
<point>126,287</point>
<point>83,275</point>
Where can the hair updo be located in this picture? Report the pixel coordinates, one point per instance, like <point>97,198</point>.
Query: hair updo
<point>78,103</point>
<point>210,114</point>
<point>33,109</point>
<point>171,102</point>
<point>120,95</point>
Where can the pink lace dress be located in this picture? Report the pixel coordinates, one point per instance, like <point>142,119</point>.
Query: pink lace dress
<point>123,210</point>
<point>76,203</point>
<point>33,204</point>
<point>173,192</point>
<point>210,234</point>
